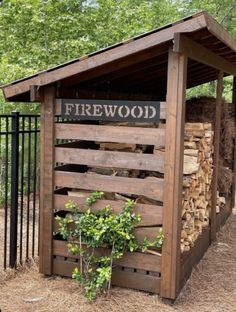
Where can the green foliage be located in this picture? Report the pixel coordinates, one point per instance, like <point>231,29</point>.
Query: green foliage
<point>158,242</point>
<point>94,197</point>
<point>101,229</point>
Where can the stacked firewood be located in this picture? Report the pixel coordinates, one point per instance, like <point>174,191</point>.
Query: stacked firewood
<point>197,179</point>
<point>202,109</point>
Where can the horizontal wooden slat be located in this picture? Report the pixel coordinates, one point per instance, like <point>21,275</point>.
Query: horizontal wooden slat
<point>120,134</point>
<point>146,232</point>
<point>135,260</point>
<point>140,233</point>
<point>162,108</point>
<point>151,187</point>
<point>150,214</point>
<point>137,281</point>
<point>110,159</point>
<point>191,258</point>
<point>120,278</point>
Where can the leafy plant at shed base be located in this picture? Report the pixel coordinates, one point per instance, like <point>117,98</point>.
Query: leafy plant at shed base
<point>92,231</point>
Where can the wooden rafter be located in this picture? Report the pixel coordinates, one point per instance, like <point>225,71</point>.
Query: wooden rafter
<point>193,50</point>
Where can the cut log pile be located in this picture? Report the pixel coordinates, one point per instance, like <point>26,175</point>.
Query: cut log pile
<point>202,109</point>
<point>197,179</point>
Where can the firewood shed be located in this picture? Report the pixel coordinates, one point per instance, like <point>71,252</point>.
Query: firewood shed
<point>114,121</point>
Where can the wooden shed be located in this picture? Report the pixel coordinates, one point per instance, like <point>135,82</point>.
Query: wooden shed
<point>146,79</point>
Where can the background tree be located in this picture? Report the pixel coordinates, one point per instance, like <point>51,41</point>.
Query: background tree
<point>37,34</point>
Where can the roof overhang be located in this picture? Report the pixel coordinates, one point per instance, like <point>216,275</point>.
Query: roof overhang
<point>140,61</point>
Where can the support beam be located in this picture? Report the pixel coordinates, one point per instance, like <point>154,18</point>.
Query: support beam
<point>234,165</point>
<point>234,95</point>
<point>176,89</point>
<point>46,180</point>
<point>34,94</point>
<point>217,127</point>
<point>197,52</point>
<point>219,32</point>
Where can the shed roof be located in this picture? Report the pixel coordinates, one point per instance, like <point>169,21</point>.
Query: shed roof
<point>136,65</point>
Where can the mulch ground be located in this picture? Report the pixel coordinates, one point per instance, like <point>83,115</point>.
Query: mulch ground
<point>211,288</point>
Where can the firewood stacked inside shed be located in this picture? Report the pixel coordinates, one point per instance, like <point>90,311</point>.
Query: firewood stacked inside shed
<point>198,166</point>
<point>197,178</point>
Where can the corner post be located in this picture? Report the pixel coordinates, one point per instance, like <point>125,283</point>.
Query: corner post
<point>173,177</point>
<point>217,128</point>
<point>46,179</point>
<point>234,162</point>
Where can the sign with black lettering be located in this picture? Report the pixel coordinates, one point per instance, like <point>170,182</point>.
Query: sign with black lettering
<point>111,110</point>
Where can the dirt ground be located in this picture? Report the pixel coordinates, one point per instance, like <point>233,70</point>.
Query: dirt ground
<point>211,288</point>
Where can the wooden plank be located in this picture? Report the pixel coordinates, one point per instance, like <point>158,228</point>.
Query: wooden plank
<point>140,233</point>
<point>63,268</point>
<point>101,60</point>
<point>146,232</point>
<point>172,201</point>
<point>137,281</point>
<point>234,163</point>
<point>217,128</point>
<point>110,159</point>
<point>34,94</point>
<point>151,187</point>
<point>191,258</point>
<point>150,214</point>
<point>234,94</point>
<point>46,180</point>
<point>121,134</point>
<point>219,32</point>
<point>137,260</point>
<point>120,278</point>
<point>162,107</point>
<point>194,50</point>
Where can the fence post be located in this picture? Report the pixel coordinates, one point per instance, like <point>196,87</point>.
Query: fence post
<point>14,188</point>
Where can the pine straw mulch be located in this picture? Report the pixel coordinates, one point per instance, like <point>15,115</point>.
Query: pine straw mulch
<point>212,287</point>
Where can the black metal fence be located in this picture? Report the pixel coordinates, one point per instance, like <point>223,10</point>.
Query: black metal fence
<point>19,184</point>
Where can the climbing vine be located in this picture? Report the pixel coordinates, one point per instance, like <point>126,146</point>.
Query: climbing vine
<point>91,232</point>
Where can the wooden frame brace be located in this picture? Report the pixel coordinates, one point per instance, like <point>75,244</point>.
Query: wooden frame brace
<point>193,50</point>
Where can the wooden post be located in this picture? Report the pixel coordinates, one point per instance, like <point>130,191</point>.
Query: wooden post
<point>174,146</point>
<point>234,164</point>
<point>46,180</point>
<point>217,127</point>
